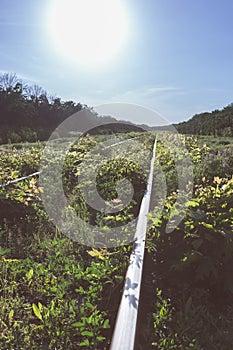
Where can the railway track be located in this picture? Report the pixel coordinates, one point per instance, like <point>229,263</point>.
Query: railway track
<point>19,179</point>
<point>125,329</point>
<point>126,323</point>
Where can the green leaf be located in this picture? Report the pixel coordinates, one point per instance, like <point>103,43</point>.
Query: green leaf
<point>106,324</point>
<point>89,305</point>
<point>41,326</point>
<point>100,338</point>
<point>88,333</point>
<point>37,312</point>
<point>192,204</point>
<point>11,314</point>
<point>207,225</point>
<point>40,306</point>
<point>77,324</point>
<point>84,343</point>
<point>29,274</point>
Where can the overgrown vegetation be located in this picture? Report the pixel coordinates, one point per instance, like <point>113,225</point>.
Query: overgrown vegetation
<point>55,292</point>
<point>58,294</point>
<point>191,266</point>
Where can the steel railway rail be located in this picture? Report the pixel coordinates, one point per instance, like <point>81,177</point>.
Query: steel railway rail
<point>19,179</point>
<point>122,141</point>
<point>38,172</point>
<point>126,323</point>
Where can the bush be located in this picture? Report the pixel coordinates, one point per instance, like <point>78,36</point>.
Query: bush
<point>193,267</point>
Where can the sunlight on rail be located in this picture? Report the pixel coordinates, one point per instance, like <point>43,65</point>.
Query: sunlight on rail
<point>125,328</point>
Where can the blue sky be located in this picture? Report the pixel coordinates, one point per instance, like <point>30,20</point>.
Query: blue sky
<point>178,59</point>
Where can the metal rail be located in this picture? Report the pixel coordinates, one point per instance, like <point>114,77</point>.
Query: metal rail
<point>125,327</point>
<point>38,172</point>
<point>123,141</point>
<point>19,179</point>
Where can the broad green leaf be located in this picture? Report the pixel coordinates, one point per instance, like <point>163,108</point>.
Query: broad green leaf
<point>37,312</point>
<point>87,333</point>
<point>106,324</point>
<point>100,338</point>
<point>89,305</point>
<point>84,343</point>
<point>207,225</point>
<point>40,306</point>
<point>77,324</point>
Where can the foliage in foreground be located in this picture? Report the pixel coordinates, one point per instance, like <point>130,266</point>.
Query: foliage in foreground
<point>57,294</point>
<point>58,297</point>
<point>192,267</point>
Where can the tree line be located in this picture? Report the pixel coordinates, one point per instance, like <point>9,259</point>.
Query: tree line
<point>216,123</point>
<point>28,112</point>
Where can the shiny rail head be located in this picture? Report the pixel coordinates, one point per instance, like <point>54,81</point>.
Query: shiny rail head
<point>125,327</point>
<point>8,183</point>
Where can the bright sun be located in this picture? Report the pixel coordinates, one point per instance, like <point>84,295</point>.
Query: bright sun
<point>90,32</point>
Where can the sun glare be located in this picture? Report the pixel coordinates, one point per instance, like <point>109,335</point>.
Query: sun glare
<point>89,32</point>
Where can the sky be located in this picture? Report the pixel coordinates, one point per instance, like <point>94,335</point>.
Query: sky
<point>177,58</point>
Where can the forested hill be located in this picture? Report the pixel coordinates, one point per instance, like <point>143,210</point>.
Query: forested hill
<point>28,113</point>
<point>217,123</point>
